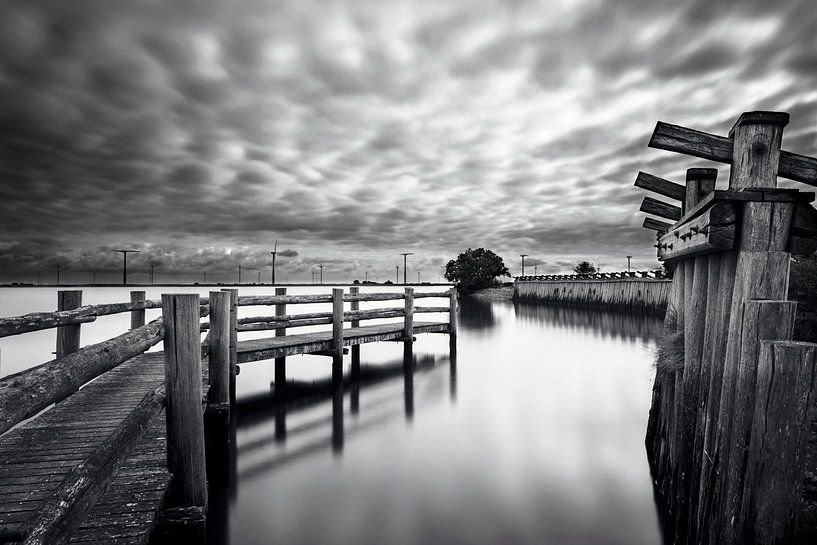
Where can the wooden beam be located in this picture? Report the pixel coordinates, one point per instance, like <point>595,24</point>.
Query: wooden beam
<point>24,394</point>
<point>660,186</point>
<point>660,208</point>
<point>711,231</point>
<point>792,166</point>
<point>655,225</point>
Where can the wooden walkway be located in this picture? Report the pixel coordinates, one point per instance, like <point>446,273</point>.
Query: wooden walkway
<point>309,343</point>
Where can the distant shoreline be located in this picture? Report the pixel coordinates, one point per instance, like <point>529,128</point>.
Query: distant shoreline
<point>505,293</point>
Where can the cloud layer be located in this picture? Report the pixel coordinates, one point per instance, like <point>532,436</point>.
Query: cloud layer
<point>201,131</point>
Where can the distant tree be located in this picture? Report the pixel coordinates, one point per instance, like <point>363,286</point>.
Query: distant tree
<point>585,267</point>
<point>475,269</point>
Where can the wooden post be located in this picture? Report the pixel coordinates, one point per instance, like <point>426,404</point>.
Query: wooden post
<point>219,358</point>
<point>452,312</point>
<point>762,321</point>
<point>280,363</point>
<point>761,272</point>
<point>137,317</point>
<point>355,371</point>
<point>185,425</point>
<point>408,318</point>
<point>784,409</point>
<point>233,340</point>
<point>68,335</point>
<point>337,335</point>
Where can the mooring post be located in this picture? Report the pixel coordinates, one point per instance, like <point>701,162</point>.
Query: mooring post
<point>408,315</point>
<point>233,339</point>
<point>784,409</point>
<point>185,424</point>
<point>137,316</point>
<point>280,363</point>
<point>68,335</point>
<point>337,335</point>
<point>355,370</point>
<point>219,358</point>
<point>761,272</point>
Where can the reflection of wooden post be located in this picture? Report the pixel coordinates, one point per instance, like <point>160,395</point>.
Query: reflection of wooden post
<point>233,340</point>
<point>783,413</point>
<point>408,379</point>
<point>337,334</point>
<point>185,425</point>
<point>68,335</point>
<point>280,363</point>
<point>137,317</point>
<point>408,315</point>
<point>355,371</point>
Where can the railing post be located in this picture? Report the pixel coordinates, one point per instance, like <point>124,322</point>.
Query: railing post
<point>68,335</point>
<point>233,339</point>
<point>452,312</point>
<point>337,335</point>
<point>280,363</point>
<point>408,320</point>
<point>137,317</point>
<point>355,371</point>
<point>185,424</point>
<point>219,358</point>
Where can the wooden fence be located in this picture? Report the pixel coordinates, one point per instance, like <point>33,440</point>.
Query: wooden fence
<point>188,392</point>
<point>730,425</point>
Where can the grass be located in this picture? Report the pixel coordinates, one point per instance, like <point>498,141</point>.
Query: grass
<point>670,345</point>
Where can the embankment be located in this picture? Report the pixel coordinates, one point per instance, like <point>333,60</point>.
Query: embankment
<point>630,294</point>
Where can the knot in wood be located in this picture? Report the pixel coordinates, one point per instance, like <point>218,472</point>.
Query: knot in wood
<point>759,148</point>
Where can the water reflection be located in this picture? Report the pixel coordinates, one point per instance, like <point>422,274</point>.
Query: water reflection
<point>603,323</point>
<point>476,314</point>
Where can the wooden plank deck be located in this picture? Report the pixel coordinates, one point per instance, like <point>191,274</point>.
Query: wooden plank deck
<point>307,343</point>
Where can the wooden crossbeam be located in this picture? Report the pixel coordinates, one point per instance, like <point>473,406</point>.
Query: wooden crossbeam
<point>660,186</point>
<point>711,231</point>
<point>679,139</point>
<point>660,208</point>
<point>655,225</point>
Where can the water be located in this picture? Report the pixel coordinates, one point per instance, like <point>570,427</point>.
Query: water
<point>535,434</point>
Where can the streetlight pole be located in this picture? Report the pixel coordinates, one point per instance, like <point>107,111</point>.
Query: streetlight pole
<point>321,268</point>
<point>629,257</point>
<point>523,256</point>
<point>404,254</point>
<point>125,263</point>
<point>397,274</point>
<point>239,275</point>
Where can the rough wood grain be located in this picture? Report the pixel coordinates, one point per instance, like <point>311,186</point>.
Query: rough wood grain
<point>218,358</point>
<point>280,363</point>
<point>408,314</point>
<point>137,316</point>
<point>660,208</point>
<point>660,186</point>
<point>26,393</point>
<point>185,424</point>
<point>68,335</point>
<point>656,225</point>
<point>714,230</point>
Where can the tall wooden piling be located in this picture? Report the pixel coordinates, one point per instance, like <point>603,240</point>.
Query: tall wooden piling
<point>354,400</point>
<point>219,354</point>
<point>233,340</point>
<point>280,363</point>
<point>408,315</point>
<point>68,335</point>
<point>137,316</point>
<point>185,425</point>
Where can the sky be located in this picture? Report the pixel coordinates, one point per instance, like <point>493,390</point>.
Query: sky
<point>199,132</point>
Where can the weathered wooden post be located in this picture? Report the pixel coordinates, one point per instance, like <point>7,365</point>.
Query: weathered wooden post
<point>280,363</point>
<point>185,425</point>
<point>233,340</point>
<point>452,324</point>
<point>784,408</point>
<point>219,357</point>
<point>68,335</point>
<point>137,316</point>
<point>337,335</point>
<point>355,370</point>
<point>408,315</point>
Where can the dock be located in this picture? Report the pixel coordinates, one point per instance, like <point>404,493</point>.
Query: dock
<point>110,442</point>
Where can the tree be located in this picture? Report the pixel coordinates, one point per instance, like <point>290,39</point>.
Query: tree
<point>585,267</point>
<point>475,269</point>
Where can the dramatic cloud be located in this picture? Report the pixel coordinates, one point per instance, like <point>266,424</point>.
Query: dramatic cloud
<point>200,131</point>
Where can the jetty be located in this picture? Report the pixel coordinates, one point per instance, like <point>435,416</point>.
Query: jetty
<point>114,443</point>
<point>731,436</point>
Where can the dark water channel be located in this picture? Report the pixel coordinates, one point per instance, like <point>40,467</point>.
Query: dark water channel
<point>532,434</point>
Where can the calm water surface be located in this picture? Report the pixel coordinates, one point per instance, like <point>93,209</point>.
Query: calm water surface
<point>532,434</point>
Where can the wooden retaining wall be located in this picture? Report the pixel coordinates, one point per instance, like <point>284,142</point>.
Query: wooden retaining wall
<point>632,294</point>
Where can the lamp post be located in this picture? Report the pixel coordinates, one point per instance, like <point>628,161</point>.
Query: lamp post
<point>397,274</point>
<point>321,268</point>
<point>523,256</point>
<point>125,263</point>
<point>629,257</point>
<point>405,254</point>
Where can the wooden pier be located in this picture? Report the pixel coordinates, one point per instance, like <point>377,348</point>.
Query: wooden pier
<point>119,455</point>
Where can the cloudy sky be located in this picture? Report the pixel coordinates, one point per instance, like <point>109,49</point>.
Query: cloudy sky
<point>201,131</point>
